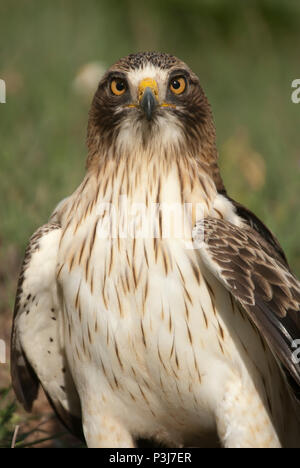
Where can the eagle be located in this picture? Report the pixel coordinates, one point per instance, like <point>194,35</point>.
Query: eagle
<point>152,305</point>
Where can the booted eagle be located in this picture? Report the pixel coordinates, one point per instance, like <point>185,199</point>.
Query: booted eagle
<point>152,305</point>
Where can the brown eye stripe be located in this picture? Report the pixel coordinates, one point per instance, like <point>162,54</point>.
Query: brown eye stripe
<point>178,85</point>
<point>118,87</point>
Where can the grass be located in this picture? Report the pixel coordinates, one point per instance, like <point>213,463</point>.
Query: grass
<point>245,56</point>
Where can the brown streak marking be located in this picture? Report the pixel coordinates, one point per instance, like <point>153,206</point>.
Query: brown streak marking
<point>103,369</point>
<point>188,296</point>
<point>170,323</point>
<point>92,282</point>
<point>143,395</point>
<point>212,296</point>
<point>173,347</point>
<point>81,251</point>
<point>221,347</point>
<point>134,275</point>
<point>219,213</point>
<point>103,296</point>
<point>59,271</point>
<point>221,331</point>
<point>117,383</point>
<point>176,360</point>
<point>187,313</point>
<point>146,256</point>
<point>89,335</point>
<point>160,223</point>
<point>146,290</point>
<point>83,345</point>
<point>84,185</point>
<point>162,313</point>
<point>107,335</point>
<point>147,384</point>
<point>159,355</point>
<point>127,281</point>
<point>119,303</point>
<point>179,394</point>
<point>143,334</point>
<point>97,194</point>
<point>93,237</point>
<point>197,369</point>
<point>180,182</point>
<point>118,355</point>
<point>189,333</point>
<point>155,248</point>
<point>165,262</point>
<point>87,264</point>
<point>123,285</point>
<point>77,296</point>
<point>105,187</point>
<point>77,226</point>
<point>205,317</point>
<point>111,259</point>
<point>182,277</point>
<point>196,271</point>
<point>161,384</point>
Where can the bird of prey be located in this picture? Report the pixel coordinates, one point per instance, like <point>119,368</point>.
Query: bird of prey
<point>135,328</point>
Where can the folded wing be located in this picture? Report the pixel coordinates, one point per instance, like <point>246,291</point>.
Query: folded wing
<point>255,275</point>
<point>37,348</point>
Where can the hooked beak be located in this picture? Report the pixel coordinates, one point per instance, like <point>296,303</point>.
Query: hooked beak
<point>148,96</point>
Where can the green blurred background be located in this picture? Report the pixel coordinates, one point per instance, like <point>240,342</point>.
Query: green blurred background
<point>245,52</point>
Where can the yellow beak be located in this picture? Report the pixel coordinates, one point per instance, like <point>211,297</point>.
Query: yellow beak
<point>147,83</point>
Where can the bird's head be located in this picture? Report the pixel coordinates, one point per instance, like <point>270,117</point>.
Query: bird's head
<point>153,100</point>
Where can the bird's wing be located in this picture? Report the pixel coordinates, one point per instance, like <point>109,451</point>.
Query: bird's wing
<point>37,351</point>
<point>266,236</point>
<point>249,269</point>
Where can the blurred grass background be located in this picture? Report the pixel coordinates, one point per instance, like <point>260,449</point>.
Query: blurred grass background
<point>246,54</point>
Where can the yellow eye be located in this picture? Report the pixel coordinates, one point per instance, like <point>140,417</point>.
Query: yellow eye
<point>118,86</point>
<point>178,85</point>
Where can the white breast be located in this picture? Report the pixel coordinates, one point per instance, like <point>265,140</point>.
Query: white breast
<point>151,337</point>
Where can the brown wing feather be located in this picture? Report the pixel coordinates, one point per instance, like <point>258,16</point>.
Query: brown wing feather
<point>248,266</point>
<point>268,238</point>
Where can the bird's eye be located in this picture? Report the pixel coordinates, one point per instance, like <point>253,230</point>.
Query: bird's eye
<point>118,86</point>
<point>178,85</point>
